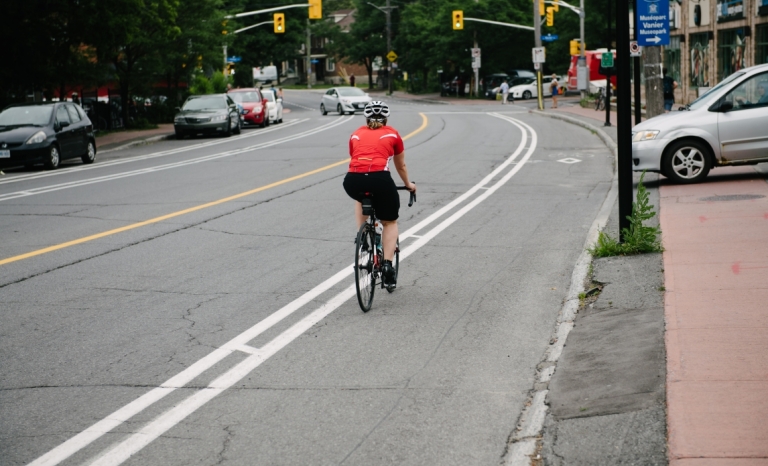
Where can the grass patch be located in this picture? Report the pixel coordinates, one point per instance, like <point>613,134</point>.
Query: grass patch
<point>638,238</point>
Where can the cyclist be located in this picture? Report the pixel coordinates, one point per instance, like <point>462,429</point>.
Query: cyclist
<point>371,147</point>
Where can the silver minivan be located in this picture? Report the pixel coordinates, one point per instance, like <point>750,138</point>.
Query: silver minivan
<point>728,125</point>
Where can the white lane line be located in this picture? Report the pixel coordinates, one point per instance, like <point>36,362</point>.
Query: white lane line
<point>80,168</point>
<point>91,434</point>
<point>183,163</point>
<point>178,413</point>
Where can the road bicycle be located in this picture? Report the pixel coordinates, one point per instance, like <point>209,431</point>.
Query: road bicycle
<point>600,100</point>
<point>369,254</point>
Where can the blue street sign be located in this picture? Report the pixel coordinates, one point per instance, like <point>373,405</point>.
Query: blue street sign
<point>314,61</point>
<point>652,22</point>
<point>549,38</point>
<point>234,59</point>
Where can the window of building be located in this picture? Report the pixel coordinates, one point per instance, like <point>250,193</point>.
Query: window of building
<point>330,64</point>
<point>699,46</point>
<point>730,52</point>
<point>761,44</point>
<point>672,58</point>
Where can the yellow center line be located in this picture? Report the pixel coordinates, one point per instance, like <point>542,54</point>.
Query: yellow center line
<point>189,210</point>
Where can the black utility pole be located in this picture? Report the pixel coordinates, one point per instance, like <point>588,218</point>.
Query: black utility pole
<point>623,115</point>
<point>636,73</point>
<point>608,76</point>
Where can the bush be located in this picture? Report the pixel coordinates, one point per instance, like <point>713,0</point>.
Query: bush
<point>638,238</point>
<point>201,85</point>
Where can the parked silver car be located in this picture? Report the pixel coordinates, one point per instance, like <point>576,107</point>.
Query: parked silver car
<point>726,126</point>
<point>210,114</point>
<point>343,100</point>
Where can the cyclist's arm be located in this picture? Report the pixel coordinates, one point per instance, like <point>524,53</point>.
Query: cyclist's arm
<point>402,170</point>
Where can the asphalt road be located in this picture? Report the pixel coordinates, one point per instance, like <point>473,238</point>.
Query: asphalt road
<point>189,302</point>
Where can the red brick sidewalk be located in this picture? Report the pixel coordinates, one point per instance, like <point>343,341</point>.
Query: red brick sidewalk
<point>716,306</point>
<point>119,138</point>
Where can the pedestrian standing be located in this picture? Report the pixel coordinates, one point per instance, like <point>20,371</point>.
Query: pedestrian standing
<point>280,92</point>
<point>669,86</point>
<point>504,89</point>
<point>555,88</point>
<point>352,80</point>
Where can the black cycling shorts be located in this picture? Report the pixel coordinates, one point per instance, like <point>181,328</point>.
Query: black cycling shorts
<point>386,200</point>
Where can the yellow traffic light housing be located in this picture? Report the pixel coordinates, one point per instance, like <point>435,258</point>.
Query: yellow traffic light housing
<point>458,19</point>
<point>574,47</point>
<point>315,9</point>
<point>279,20</point>
<point>556,5</point>
<point>550,16</point>
<point>224,27</point>
<point>541,8</point>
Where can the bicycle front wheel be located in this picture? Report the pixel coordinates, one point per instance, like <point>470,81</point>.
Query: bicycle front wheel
<point>365,280</point>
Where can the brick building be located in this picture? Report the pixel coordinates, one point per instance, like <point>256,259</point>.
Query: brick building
<point>710,39</point>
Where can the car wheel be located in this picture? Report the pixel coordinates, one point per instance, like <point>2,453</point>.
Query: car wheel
<point>338,109</point>
<point>527,95</point>
<point>53,158</point>
<point>322,109</point>
<point>90,153</point>
<point>686,162</point>
<point>266,120</point>
<point>228,131</point>
<point>239,128</point>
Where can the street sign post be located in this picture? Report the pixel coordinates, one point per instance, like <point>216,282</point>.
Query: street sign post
<point>391,56</point>
<point>606,60</point>
<point>539,55</point>
<point>476,63</point>
<point>234,59</point>
<point>634,49</point>
<point>476,52</point>
<point>652,20</point>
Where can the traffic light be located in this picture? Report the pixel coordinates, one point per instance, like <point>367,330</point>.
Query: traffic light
<point>541,8</point>
<point>575,46</point>
<point>279,23</point>
<point>458,19</point>
<point>224,27</point>
<point>315,9</point>
<point>556,5</point>
<point>550,16</point>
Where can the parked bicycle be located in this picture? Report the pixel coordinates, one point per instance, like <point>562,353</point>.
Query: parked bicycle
<point>369,254</point>
<point>600,100</point>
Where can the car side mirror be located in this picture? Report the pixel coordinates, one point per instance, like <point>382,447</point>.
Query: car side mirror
<point>723,106</point>
<point>178,109</point>
<point>63,124</point>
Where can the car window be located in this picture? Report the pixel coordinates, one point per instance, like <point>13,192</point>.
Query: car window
<point>330,92</point>
<point>26,116</point>
<point>205,103</point>
<point>81,112</point>
<point>750,94</point>
<point>74,117</point>
<point>270,96</point>
<point>708,96</point>
<point>351,92</point>
<point>241,97</point>
<point>62,115</point>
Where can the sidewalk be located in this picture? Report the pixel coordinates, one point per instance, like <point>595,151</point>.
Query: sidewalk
<point>118,139</point>
<point>715,311</point>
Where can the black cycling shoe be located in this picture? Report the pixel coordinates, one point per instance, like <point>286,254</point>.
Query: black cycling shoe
<point>388,275</point>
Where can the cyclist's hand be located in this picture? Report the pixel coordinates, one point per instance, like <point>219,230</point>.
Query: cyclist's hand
<point>412,187</point>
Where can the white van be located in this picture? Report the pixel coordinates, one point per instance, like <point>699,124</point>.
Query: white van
<point>265,74</point>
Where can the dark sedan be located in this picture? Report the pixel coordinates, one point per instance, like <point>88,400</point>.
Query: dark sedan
<point>211,114</point>
<point>45,132</point>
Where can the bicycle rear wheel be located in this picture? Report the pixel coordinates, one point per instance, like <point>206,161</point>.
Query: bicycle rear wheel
<point>365,279</point>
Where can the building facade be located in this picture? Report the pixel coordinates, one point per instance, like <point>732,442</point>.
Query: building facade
<point>710,39</point>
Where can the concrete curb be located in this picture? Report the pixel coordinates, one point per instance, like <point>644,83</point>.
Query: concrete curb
<point>139,142</point>
<point>607,140</point>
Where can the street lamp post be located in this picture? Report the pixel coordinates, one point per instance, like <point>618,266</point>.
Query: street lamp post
<point>387,10</point>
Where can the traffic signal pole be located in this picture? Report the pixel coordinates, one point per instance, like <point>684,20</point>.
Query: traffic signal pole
<point>623,116</point>
<point>537,42</point>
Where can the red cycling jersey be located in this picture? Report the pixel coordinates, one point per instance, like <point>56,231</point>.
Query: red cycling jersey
<point>371,149</point>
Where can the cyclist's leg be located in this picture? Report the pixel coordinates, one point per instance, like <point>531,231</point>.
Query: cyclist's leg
<point>389,239</point>
<point>359,217</point>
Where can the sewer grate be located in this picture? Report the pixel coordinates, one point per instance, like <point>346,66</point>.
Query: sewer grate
<point>732,197</point>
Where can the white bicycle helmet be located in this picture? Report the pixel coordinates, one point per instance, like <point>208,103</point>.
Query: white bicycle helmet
<point>376,110</point>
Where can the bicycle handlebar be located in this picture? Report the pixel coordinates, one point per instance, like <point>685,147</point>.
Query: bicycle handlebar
<point>413,195</point>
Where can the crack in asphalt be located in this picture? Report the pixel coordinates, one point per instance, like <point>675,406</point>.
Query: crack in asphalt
<point>168,233</point>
